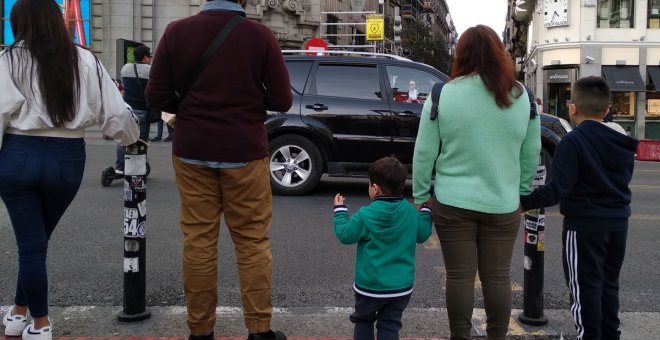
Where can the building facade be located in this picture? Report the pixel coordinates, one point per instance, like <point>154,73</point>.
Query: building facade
<point>100,23</point>
<point>554,43</point>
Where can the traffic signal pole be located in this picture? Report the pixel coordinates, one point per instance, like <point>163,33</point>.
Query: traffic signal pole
<point>398,28</point>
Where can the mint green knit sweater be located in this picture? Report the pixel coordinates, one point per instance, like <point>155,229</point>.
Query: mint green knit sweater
<point>489,155</point>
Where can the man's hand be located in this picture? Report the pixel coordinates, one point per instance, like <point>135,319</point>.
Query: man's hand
<point>339,199</point>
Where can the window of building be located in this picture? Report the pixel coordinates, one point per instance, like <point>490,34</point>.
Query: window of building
<point>653,14</point>
<point>332,29</point>
<point>616,13</point>
<point>623,105</point>
<point>357,82</point>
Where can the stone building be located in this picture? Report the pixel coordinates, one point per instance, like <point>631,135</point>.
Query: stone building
<point>292,21</point>
<point>554,43</point>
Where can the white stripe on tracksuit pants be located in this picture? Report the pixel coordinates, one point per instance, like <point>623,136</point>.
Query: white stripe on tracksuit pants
<point>592,262</point>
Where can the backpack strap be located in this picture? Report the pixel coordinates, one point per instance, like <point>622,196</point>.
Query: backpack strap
<point>435,99</point>
<point>532,102</point>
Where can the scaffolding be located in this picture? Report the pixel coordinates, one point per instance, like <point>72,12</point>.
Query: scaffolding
<point>352,25</point>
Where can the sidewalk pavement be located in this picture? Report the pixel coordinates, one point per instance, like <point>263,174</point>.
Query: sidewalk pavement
<point>311,323</point>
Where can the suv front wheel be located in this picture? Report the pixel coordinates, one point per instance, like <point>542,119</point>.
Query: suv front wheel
<point>295,165</point>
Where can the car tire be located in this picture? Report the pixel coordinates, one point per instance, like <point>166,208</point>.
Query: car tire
<point>546,159</point>
<point>295,165</point>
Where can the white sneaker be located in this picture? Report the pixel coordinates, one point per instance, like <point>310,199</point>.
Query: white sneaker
<point>14,324</point>
<point>29,333</point>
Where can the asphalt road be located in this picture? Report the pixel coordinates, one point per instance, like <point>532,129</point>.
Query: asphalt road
<point>311,268</point>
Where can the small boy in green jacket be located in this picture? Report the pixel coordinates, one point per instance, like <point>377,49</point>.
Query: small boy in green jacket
<point>387,232</point>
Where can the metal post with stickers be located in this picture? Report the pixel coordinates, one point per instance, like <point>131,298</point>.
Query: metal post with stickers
<point>135,219</point>
<point>533,264</point>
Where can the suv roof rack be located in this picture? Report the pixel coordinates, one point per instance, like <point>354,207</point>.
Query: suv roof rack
<point>344,53</point>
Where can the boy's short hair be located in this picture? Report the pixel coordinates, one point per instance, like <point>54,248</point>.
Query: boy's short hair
<point>591,96</point>
<point>389,174</point>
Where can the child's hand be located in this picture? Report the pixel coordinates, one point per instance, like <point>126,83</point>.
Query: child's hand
<point>339,199</point>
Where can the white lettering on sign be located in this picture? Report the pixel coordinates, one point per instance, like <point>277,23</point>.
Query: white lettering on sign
<point>558,76</point>
<point>625,82</point>
<point>131,222</point>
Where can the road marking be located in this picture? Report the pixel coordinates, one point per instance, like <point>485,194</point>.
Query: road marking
<point>644,186</point>
<point>632,217</point>
<point>432,243</point>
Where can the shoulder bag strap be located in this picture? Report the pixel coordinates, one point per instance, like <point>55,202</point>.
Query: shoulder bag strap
<point>435,99</point>
<point>210,51</point>
<point>137,77</point>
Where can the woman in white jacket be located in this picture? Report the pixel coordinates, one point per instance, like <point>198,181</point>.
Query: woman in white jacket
<point>51,91</point>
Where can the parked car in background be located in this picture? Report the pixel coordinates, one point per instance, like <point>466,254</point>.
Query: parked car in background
<point>349,111</point>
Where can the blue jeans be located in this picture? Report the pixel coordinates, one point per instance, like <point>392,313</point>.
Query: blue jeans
<point>159,131</point>
<point>386,312</point>
<point>143,118</point>
<point>39,177</point>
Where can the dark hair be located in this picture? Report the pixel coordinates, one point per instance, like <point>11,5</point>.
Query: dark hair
<point>591,96</point>
<point>389,174</point>
<point>480,52</point>
<point>39,29</point>
<point>140,52</point>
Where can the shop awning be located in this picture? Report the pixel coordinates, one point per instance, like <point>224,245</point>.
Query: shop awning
<point>654,74</point>
<point>624,79</point>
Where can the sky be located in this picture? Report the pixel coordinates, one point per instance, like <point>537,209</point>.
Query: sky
<point>468,13</point>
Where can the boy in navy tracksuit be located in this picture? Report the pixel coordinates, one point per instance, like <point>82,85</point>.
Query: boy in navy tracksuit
<point>387,232</point>
<point>592,168</point>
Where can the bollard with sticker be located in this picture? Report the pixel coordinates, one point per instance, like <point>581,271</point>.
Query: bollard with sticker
<point>135,218</point>
<point>534,239</point>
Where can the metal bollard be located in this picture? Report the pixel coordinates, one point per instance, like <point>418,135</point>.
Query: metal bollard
<point>135,216</point>
<point>533,262</point>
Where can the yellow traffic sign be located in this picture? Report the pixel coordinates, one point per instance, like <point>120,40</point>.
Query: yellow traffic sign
<point>375,27</point>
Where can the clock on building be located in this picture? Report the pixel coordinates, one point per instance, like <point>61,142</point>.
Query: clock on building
<point>555,13</point>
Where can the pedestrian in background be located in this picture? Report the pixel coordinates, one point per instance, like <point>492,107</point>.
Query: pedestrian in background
<point>591,173</point>
<point>51,91</point>
<point>485,148</point>
<point>386,232</point>
<point>220,154</point>
<point>159,132</point>
<point>134,78</point>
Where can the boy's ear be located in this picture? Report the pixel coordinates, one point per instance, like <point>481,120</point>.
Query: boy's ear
<point>377,189</point>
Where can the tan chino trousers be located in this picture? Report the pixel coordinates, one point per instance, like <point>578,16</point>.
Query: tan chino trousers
<point>244,196</point>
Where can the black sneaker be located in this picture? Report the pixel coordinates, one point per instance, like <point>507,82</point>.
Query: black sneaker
<point>270,335</point>
<point>167,139</point>
<point>155,139</point>
<point>201,337</point>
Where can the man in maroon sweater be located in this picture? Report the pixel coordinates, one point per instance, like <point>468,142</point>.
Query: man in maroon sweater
<point>220,154</point>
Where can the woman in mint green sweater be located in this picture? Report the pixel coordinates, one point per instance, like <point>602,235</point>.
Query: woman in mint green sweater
<point>485,150</point>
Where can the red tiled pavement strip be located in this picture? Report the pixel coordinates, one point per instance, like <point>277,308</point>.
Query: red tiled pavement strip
<point>185,338</point>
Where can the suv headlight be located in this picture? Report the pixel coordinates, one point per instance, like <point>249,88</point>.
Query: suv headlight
<point>566,125</point>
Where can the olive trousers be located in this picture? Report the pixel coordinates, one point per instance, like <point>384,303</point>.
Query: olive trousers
<point>243,195</point>
<point>471,241</point>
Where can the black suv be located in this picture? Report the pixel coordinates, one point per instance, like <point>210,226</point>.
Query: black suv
<point>349,111</point>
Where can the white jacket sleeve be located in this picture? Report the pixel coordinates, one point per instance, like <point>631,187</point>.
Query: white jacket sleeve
<point>11,99</point>
<point>114,116</point>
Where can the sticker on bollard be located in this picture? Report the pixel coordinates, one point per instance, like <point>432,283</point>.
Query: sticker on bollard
<point>135,219</point>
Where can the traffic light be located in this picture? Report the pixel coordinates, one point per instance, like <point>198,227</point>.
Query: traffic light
<point>397,27</point>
